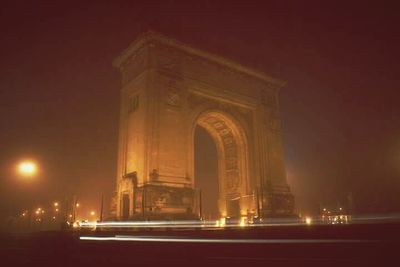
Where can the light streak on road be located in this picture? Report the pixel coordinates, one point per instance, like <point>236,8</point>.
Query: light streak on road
<point>219,240</point>
<point>217,225</point>
<point>175,224</point>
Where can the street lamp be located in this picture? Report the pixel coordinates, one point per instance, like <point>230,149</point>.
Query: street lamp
<point>27,168</point>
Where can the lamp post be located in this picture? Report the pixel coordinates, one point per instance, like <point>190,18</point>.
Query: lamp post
<point>27,169</point>
<point>75,211</point>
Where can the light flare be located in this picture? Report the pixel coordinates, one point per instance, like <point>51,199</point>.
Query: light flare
<point>27,168</point>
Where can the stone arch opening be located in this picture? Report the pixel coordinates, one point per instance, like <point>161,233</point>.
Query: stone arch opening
<point>231,146</point>
<point>206,173</point>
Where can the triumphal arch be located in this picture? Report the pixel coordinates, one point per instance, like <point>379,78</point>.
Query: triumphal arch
<point>169,88</point>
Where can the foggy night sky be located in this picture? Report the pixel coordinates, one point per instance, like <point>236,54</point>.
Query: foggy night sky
<point>59,94</point>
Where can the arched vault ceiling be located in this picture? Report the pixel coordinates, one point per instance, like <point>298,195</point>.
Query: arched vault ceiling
<point>223,132</point>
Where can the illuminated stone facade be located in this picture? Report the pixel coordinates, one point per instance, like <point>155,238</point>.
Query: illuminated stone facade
<point>168,88</point>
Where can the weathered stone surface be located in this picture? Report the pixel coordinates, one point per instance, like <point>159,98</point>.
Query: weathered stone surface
<point>169,88</point>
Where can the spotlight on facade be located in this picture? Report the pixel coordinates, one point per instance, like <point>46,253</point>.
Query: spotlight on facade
<point>243,221</point>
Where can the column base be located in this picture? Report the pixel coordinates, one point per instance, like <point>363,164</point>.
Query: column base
<point>278,202</point>
<point>161,202</point>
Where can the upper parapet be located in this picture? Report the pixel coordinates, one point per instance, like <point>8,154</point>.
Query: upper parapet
<point>154,37</point>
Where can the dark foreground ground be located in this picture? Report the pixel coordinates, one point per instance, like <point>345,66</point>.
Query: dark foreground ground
<point>315,245</point>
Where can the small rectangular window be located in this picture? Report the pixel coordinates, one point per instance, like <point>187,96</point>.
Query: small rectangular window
<point>133,103</point>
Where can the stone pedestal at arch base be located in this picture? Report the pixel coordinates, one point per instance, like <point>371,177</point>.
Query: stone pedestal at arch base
<point>169,88</point>
<point>277,203</point>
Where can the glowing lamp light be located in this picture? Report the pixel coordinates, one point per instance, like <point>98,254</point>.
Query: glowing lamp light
<point>92,213</point>
<point>308,220</point>
<point>242,222</point>
<point>222,222</point>
<point>27,168</point>
<point>55,204</point>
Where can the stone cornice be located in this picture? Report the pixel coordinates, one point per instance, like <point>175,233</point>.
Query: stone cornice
<point>154,36</point>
